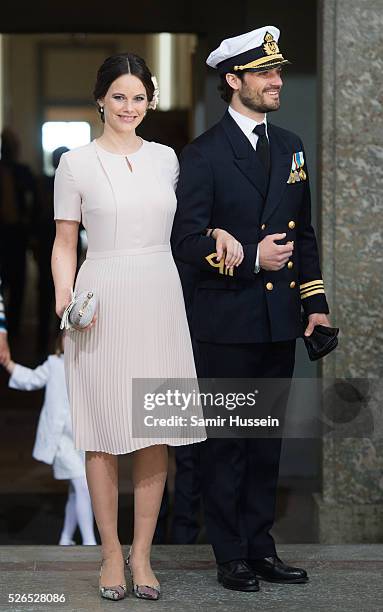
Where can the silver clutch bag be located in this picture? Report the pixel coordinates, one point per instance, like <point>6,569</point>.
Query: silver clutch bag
<point>80,311</point>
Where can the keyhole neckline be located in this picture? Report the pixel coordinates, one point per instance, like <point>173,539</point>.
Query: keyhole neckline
<point>124,155</point>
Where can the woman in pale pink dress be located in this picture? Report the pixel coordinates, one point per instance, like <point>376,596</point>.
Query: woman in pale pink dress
<point>122,189</point>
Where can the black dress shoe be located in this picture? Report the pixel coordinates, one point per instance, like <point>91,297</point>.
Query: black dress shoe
<point>237,575</point>
<point>273,569</point>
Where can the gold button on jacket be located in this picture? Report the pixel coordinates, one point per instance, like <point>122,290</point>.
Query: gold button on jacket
<point>291,224</point>
<point>290,265</point>
<point>269,286</point>
<point>292,284</point>
<point>263,226</point>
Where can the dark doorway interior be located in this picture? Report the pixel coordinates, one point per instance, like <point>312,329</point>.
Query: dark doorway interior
<point>31,506</point>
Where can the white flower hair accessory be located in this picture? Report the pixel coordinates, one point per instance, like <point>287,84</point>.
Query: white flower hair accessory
<point>156,95</point>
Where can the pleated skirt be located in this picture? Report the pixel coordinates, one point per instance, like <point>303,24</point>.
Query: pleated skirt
<point>141,332</point>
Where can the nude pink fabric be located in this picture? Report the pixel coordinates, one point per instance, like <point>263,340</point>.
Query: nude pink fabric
<point>141,330</point>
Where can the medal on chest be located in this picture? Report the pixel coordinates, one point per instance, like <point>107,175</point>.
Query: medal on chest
<point>297,173</point>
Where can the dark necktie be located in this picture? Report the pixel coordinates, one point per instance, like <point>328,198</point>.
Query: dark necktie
<point>263,147</point>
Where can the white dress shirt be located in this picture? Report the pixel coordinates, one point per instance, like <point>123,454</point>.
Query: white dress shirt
<point>247,126</point>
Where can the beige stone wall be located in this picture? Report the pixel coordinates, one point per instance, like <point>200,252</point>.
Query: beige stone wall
<point>351,507</point>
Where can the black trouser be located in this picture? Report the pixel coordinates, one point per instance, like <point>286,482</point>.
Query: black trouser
<point>239,476</point>
<point>187,496</point>
<point>185,526</point>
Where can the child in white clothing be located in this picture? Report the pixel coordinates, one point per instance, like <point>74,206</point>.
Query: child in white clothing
<point>54,441</point>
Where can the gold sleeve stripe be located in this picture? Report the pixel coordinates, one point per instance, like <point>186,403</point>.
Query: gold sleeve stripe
<point>315,286</point>
<point>309,284</point>
<point>310,293</point>
<point>303,293</point>
<point>220,264</point>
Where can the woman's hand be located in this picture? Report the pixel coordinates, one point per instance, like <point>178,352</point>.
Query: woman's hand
<point>84,329</point>
<point>61,307</point>
<point>60,312</point>
<point>227,246</point>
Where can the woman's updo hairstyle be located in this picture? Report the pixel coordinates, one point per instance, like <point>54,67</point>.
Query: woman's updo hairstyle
<point>117,65</point>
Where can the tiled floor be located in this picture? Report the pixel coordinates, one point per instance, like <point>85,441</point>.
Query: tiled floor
<point>342,579</point>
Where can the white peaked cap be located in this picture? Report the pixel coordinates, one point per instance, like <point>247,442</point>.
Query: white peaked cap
<point>252,47</point>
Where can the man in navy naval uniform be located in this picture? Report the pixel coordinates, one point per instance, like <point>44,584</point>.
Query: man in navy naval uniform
<point>244,221</point>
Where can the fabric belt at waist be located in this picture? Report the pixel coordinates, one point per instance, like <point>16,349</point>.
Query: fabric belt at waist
<point>122,252</point>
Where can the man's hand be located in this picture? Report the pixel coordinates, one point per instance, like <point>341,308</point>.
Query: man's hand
<point>273,256</point>
<point>317,318</point>
<point>5,355</point>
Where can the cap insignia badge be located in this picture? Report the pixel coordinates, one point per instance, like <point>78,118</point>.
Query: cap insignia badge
<point>270,47</point>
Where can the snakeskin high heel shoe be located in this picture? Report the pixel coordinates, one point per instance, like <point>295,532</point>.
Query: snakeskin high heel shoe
<point>143,591</point>
<point>112,592</point>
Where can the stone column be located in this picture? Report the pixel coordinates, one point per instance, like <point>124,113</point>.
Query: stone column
<point>350,508</point>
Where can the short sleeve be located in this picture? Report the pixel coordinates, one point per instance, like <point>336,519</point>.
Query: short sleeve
<point>67,199</point>
<point>175,169</point>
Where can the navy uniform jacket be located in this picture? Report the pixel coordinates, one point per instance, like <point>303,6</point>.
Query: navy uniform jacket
<point>222,184</point>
